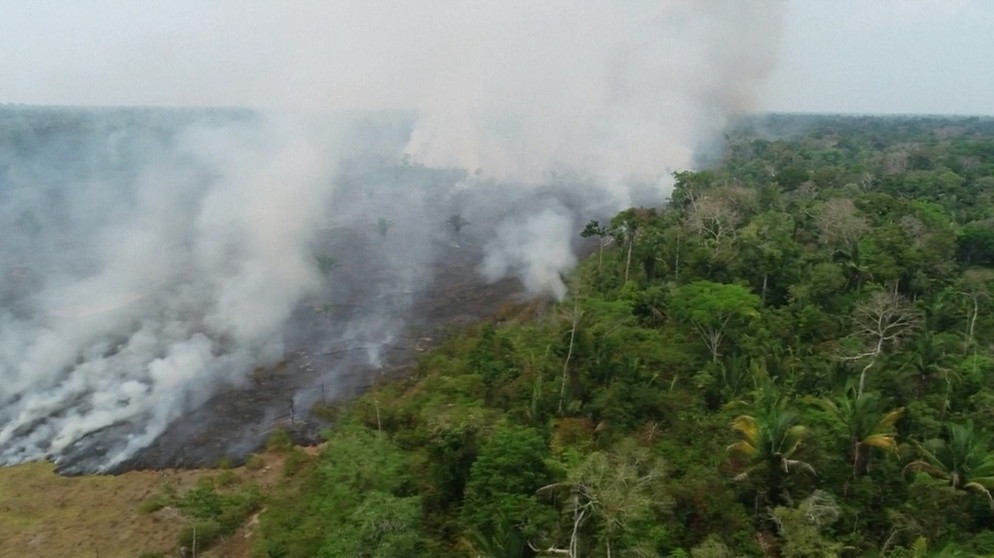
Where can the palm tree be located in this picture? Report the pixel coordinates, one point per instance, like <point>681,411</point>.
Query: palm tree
<point>929,361</point>
<point>964,459</point>
<point>867,424</point>
<point>770,442</point>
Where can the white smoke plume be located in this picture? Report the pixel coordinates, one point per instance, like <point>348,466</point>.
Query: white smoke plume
<point>187,281</point>
<point>136,294</point>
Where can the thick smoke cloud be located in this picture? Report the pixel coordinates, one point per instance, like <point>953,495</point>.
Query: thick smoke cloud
<point>151,265</point>
<point>142,294</point>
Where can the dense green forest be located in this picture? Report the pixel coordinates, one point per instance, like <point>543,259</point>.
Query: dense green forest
<point>791,358</point>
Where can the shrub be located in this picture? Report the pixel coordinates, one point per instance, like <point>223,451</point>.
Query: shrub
<point>154,504</point>
<point>202,533</point>
<point>279,441</point>
<point>254,462</point>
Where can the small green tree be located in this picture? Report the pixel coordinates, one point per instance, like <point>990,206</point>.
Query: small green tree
<point>867,424</point>
<point>964,459</point>
<point>456,222</point>
<point>503,482</point>
<point>713,309</point>
<point>769,442</point>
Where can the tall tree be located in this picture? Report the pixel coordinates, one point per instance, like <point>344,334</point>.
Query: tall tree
<point>607,494</point>
<point>883,320</point>
<point>503,481</point>
<point>713,309</point>
<point>769,442</point>
<point>963,458</point>
<point>868,425</point>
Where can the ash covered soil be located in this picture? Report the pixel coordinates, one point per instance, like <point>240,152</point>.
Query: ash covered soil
<point>236,422</point>
<point>154,258</point>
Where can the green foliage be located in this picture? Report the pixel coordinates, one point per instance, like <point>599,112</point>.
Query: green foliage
<point>295,461</point>
<point>154,504</point>
<point>199,535</point>
<point>504,481</point>
<point>212,513</point>
<point>713,309</point>
<point>254,462</point>
<point>357,496</point>
<point>964,458</point>
<point>801,527</point>
<point>279,441</point>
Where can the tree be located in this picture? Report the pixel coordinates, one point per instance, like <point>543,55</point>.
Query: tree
<point>768,248</point>
<point>594,228</point>
<point>713,308</point>
<point>769,442</point>
<point>456,222</point>
<point>801,527</point>
<point>882,321</point>
<point>503,482</point>
<point>608,492</point>
<point>839,224</point>
<point>975,243</point>
<point>976,285</point>
<point>840,229</point>
<point>867,424</point>
<point>964,459</point>
<point>624,229</point>
<point>382,526</point>
<point>929,360</point>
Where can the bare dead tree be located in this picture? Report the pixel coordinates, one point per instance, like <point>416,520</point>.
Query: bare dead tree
<point>883,321</point>
<point>612,490</point>
<point>976,286</point>
<point>714,218</point>
<point>839,224</point>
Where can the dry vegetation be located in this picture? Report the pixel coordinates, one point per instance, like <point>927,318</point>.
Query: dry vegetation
<point>44,514</point>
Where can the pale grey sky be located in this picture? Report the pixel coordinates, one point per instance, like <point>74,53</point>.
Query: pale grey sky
<point>867,56</point>
<point>890,56</point>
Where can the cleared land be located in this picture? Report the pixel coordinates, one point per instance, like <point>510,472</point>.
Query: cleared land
<point>47,515</point>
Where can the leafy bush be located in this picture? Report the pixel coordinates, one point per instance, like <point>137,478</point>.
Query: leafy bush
<point>254,462</point>
<point>154,504</point>
<point>279,441</point>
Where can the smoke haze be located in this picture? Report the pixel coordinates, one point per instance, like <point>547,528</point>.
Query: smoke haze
<point>156,257</point>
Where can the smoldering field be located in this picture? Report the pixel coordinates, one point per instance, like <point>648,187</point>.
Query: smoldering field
<point>155,258</point>
<point>154,261</point>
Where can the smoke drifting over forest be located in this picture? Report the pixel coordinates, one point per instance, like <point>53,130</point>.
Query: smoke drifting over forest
<point>154,257</point>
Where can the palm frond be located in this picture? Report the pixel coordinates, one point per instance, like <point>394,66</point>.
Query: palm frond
<point>798,464</point>
<point>885,442</point>
<point>889,420</point>
<point>747,427</point>
<point>926,467</point>
<point>743,447</point>
<point>977,487</point>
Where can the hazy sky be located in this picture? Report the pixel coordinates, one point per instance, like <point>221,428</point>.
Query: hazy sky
<point>896,56</point>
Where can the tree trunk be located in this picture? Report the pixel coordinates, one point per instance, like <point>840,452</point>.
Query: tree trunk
<point>569,353</point>
<point>873,360</point>
<point>676,265</point>
<point>973,321</point>
<point>628,260</point>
